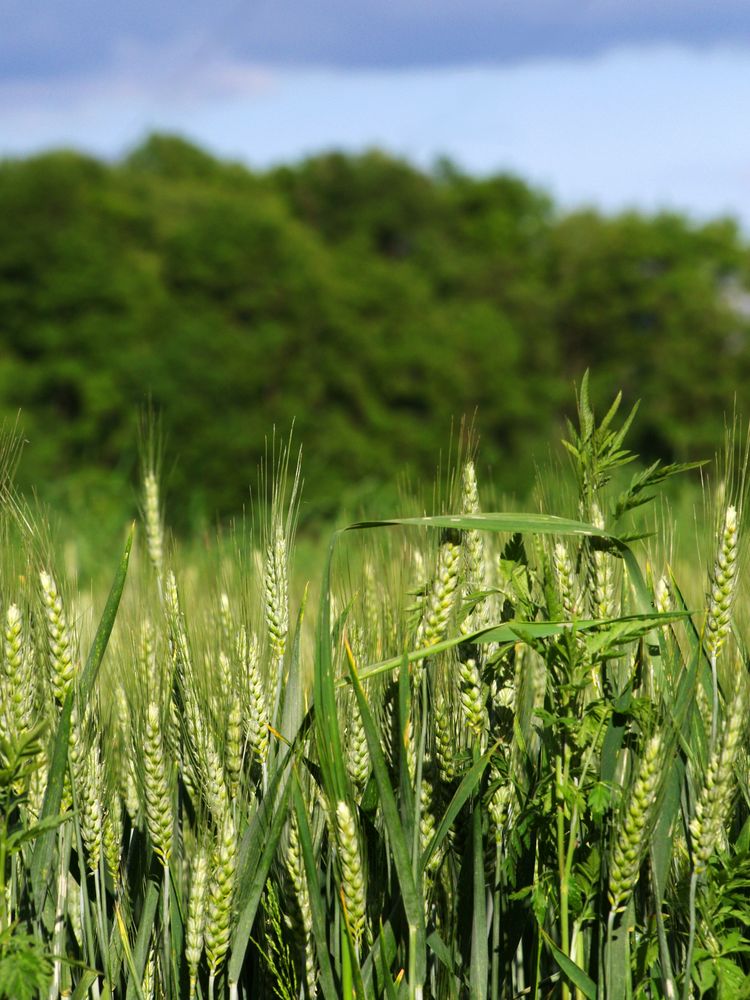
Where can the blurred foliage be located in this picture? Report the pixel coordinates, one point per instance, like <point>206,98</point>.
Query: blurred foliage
<point>369,302</point>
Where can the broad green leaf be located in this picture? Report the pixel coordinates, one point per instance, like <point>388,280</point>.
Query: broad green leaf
<point>569,968</point>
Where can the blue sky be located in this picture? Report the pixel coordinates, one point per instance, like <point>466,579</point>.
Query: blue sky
<point>616,103</point>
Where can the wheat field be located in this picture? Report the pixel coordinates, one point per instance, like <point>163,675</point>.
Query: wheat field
<point>482,755</point>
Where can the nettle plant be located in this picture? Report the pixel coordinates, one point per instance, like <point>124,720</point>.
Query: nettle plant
<point>504,758</point>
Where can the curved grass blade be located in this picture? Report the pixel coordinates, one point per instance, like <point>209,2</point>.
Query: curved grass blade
<point>292,709</point>
<point>411,897</point>
<point>510,632</point>
<point>539,524</point>
<point>468,785</point>
<point>327,983</point>
<point>255,864</point>
<point>142,939</point>
<point>328,739</point>
<point>570,969</point>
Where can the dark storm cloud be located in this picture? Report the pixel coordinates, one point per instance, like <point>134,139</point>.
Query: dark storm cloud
<point>49,39</point>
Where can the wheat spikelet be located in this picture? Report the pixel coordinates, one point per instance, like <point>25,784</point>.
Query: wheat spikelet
<point>19,673</point>
<point>59,639</point>
<point>445,739</point>
<point>196,916</point>
<point>603,589</point>
<point>631,839</point>
<point>178,632</point>
<point>352,875</point>
<point>221,891</point>
<point>301,922</point>
<point>427,814</point>
<point>233,748</point>
<point>37,787</point>
<point>662,596</point>
<point>147,660</point>
<point>112,834</point>
<point>471,695</point>
<point>153,522</point>
<point>707,826</point>
<point>74,909</point>
<point>276,591</point>
<point>225,681</point>
<point>256,718</point>
<point>440,599</point>
<point>213,784</point>
<point>474,561</point>
<point>723,586</point>
<point>567,585</point>
<point>89,786</point>
<point>125,765</point>
<point>226,620</point>
<point>156,787</point>
<point>357,754</point>
<point>148,983</point>
<point>498,806</point>
<point>371,601</point>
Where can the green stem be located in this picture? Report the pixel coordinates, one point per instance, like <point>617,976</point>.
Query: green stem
<point>4,915</point>
<point>610,935</point>
<point>562,860</point>
<point>691,938</point>
<point>347,985</point>
<point>413,964</point>
<point>714,702</point>
<point>496,904</point>
<point>165,927</point>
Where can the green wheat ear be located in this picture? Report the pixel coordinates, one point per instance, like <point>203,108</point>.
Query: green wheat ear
<point>715,799</point>
<point>220,894</point>
<point>723,586</point>
<point>59,638</point>
<point>631,836</point>
<point>157,805</point>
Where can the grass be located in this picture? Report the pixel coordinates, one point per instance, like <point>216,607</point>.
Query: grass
<point>483,755</point>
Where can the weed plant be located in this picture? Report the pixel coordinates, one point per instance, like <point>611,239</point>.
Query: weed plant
<point>501,758</point>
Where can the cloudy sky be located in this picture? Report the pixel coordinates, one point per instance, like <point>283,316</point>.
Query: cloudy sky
<point>609,102</point>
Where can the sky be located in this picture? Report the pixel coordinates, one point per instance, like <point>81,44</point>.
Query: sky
<point>612,103</point>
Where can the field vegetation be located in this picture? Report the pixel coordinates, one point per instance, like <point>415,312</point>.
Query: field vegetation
<point>484,755</point>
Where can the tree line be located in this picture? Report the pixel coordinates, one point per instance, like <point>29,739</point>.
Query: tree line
<point>368,302</point>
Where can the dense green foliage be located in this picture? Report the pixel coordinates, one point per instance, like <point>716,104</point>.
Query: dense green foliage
<point>491,756</point>
<point>368,301</point>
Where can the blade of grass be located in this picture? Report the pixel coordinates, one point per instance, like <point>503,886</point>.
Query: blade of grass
<point>469,784</point>
<point>254,869</point>
<point>317,908</point>
<point>479,963</point>
<point>412,898</point>
<point>569,968</point>
<point>143,939</point>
